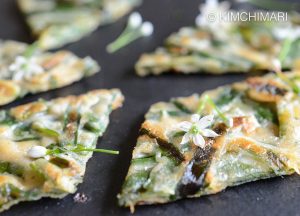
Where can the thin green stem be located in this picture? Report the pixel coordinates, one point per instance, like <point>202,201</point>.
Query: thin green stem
<point>222,116</point>
<point>287,45</point>
<point>79,149</point>
<point>120,42</point>
<point>126,31</point>
<point>30,50</point>
<point>97,150</point>
<point>208,100</point>
<point>202,105</point>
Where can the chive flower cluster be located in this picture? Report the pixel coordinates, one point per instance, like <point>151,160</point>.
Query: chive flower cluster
<point>134,30</point>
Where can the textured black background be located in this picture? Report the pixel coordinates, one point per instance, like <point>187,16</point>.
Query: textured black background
<point>105,173</point>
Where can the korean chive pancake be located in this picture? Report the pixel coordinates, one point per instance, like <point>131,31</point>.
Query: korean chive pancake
<point>241,47</point>
<point>64,126</point>
<point>59,22</point>
<point>261,141</point>
<point>57,69</point>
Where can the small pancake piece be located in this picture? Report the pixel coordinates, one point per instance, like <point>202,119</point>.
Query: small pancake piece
<point>42,144</point>
<point>39,72</point>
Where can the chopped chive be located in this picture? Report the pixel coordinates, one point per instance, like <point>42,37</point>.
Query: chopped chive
<point>11,168</point>
<point>181,107</point>
<point>77,128</point>
<point>27,139</point>
<point>92,127</point>
<point>47,132</point>
<point>37,171</point>
<point>55,151</point>
<point>4,167</point>
<point>6,118</point>
<point>66,118</point>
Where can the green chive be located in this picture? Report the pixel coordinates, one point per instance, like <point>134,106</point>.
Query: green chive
<point>287,45</point>
<point>288,81</point>
<point>79,148</point>
<point>30,50</point>
<point>47,132</point>
<point>202,105</point>
<point>122,41</point>
<point>96,150</point>
<point>208,100</point>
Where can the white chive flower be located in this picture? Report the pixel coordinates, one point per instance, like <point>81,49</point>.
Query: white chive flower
<point>37,152</point>
<point>147,29</point>
<point>24,68</point>
<point>197,129</point>
<point>276,64</point>
<point>135,20</point>
<point>287,31</point>
<point>210,15</point>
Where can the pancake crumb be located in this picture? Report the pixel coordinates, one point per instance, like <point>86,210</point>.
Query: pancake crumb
<point>80,198</point>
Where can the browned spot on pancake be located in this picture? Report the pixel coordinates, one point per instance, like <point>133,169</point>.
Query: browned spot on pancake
<point>247,122</point>
<point>25,111</point>
<point>264,90</point>
<point>248,145</point>
<point>56,59</point>
<point>9,91</point>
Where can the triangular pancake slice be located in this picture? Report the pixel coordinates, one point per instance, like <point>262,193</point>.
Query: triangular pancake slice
<point>57,23</point>
<point>238,47</point>
<point>39,71</point>
<point>256,121</point>
<point>65,127</point>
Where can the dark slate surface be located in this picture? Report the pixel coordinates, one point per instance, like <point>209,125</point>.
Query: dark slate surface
<point>105,173</point>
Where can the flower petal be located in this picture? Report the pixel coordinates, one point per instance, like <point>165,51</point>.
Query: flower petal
<point>209,133</point>
<point>186,138</point>
<point>21,60</point>
<point>195,118</point>
<point>205,121</point>
<point>230,122</point>
<point>199,140</point>
<point>185,126</point>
